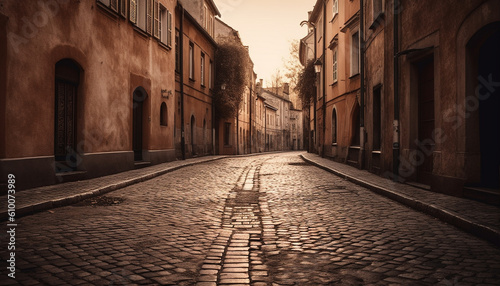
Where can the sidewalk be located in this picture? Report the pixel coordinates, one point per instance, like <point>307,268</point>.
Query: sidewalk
<point>44,198</point>
<point>474,217</point>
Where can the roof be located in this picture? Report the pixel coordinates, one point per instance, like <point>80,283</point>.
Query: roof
<point>212,3</point>
<point>275,95</point>
<point>318,7</point>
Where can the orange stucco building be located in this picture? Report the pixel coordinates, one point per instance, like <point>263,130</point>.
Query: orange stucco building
<point>87,88</point>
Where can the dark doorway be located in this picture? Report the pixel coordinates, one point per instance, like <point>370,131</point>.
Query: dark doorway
<point>356,138</point>
<point>426,121</point>
<point>193,145</point>
<point>489,110</point>
<point>67,78</point>
<point>140,96</point>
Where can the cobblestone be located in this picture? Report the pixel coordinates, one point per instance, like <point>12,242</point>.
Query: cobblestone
<point>255,221</point>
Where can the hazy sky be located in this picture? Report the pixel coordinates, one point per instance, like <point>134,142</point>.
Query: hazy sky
<point>267,27</point>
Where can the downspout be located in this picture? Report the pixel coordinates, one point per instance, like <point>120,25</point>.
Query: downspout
<point>251,101</point>
<point>362,90</point>
<point>324,79</point>
<point>315,99</point>
<point>265,129</point>
<point>396,133</point>
<point>181,48</point>
<point>237,132</point>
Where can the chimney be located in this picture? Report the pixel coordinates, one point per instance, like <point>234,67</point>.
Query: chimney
<point>259,87</point>
<point>286,88</point>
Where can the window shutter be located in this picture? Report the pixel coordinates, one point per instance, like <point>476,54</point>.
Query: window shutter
<point>169,28</point>
<point>113,4</point>
<point>123,8</point>
<point>157,23</point>
<point>149,16</point>
<point>133,11</point>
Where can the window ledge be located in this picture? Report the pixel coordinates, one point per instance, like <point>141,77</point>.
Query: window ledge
<point>192,80</point>
<point>377,21</point>
<point>141,31</point>
<point>335,83</point>
<point>376,152</point>
<point>165,46</point>
<point>354,75</point>
<point>110,12</point>
<point>334,144</point>
<point>334,17</point>
<point>355,147</point>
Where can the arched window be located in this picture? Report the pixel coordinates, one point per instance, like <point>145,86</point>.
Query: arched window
<point>334,126</point>
<point>163,114</point>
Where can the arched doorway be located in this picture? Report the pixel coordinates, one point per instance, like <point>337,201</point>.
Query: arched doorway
<point>193,145</point>
<point>485,65</point>
<point>139,97</point>
<point>67,79</point>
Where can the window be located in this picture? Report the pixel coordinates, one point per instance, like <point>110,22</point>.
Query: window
<point>334,126</point>
<point>163,24</point>
<point>335,7</point>
<point>177,52</point>
<point>377,116</point>
<point>355,53</point>
<point>319,29</point>
<point>210,79</point>
<point>163,114</point>
<point>141,14</point>
<point>191,61</point>
<point>211,26</point>
<point>202,69</point>
<point>227,130</point>
<point>111,4</point>
<point>334,66</point>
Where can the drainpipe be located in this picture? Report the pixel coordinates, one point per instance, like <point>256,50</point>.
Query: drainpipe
<point>237,132</point>
<point>396,133</point>
<point>324,79</point>
<point>250,102</point>
<point>362,90</point>
<point>181,50</point>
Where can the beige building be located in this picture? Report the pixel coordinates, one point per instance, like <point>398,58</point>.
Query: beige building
<point>238,134</point>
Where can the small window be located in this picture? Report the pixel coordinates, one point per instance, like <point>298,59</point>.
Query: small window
<point>334,66</point>
<point>163,114</point>
<point>335,7</point>
<point>202,69</point>
<point>111,4</point>
<point>355,53</point>
<point>191,61</point>
<point>177,51</point>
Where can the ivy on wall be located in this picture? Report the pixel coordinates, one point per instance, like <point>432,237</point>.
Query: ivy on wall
<point>231,63</point>
<point>306,84</point>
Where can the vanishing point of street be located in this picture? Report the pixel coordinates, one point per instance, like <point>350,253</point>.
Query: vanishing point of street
<point>259,220</point>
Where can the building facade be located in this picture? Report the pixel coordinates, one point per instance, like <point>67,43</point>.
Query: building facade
<point>428,108</point>
<point>194,76</point>
<point>239,133</point>
<point>87,110</point>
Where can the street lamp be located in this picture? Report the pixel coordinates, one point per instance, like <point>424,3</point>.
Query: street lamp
<point>318,65</point>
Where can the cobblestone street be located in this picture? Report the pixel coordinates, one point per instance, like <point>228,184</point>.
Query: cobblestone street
<point>259,220</point>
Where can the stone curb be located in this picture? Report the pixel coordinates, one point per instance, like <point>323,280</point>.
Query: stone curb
<point>73,199</point>
<point>451,217</point>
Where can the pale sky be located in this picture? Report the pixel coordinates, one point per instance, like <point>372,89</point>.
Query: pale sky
<point>267,27</point>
